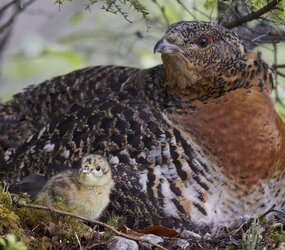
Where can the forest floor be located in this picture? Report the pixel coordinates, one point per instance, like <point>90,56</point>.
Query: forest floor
<point>24,226</point>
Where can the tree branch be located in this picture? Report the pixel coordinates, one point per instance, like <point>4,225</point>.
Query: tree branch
<point>261,33</point>
<point>280,73</point>
<point>5,7</point>
<point>162,9</point>
<point>63,213</point>
<point>6,28</point>
<point>250,220</point>
<point>252,16</point>
<point>187,10</point>
<point>201,12</point>
<point>277,66</point>
<point>4,40</point>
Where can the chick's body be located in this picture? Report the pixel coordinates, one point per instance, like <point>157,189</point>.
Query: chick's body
<point>85,191</point>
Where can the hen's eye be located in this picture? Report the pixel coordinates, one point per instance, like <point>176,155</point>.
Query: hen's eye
<point>203,42</point>
<point>98,168</point>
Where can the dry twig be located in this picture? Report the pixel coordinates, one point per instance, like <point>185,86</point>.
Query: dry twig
<point>63,213</point>
<point>277,66</point>
<point>162,10</point>
<point>253,15</point>
<point>187,10</point>
<point>249,221</point>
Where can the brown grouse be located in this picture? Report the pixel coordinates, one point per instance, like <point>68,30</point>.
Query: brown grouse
<point>194,142</point>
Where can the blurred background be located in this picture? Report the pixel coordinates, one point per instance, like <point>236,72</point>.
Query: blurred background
<point>46,38</point>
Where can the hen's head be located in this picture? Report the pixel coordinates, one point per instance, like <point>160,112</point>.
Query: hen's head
<point>200,42</point>
<point>204,60</point>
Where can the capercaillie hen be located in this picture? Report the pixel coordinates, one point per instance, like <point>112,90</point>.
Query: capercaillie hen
<point>194,142</point>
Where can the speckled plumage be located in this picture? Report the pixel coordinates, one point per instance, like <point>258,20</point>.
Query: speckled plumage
<point>30,110</point>
<point>194,143</point>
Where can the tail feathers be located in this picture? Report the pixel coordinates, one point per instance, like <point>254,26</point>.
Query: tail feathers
<point>30,185</point>
<point>14,130</point>
<point>4,143</point>
<point>11,118</point>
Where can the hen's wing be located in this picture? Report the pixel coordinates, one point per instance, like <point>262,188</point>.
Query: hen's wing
<point>28,111</point>
<point>153,166</point>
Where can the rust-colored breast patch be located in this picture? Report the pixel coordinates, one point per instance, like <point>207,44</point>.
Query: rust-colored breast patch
<point>246,139</point>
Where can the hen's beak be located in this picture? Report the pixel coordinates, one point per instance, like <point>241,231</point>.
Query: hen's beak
<point>164,47</point>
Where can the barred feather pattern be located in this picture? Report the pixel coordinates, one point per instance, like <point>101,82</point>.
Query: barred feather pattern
<point>170,179</point>
<point>30,110</point>
<point>153,165</point>
<point>194,143</point>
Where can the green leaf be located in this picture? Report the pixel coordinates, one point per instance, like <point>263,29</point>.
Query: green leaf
<point>76,18</point>
<point>9,242</point>
<point>255,215</point>
<point>210,4</point>
<point>3,243</point>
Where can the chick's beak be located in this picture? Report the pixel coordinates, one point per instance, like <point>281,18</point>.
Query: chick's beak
<point>164,47</point>
<point>86,169</point>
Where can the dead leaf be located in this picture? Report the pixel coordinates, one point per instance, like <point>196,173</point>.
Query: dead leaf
<point>128,231</point>
<point>52,228</point>
<point>159,231</point>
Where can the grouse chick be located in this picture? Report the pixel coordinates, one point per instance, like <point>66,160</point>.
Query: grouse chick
<point>85,191</point>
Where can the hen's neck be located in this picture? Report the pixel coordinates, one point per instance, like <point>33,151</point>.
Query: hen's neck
<point>232,118</point>
<point>187,81</point>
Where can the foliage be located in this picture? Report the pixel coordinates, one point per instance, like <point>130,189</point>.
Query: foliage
<point>9,220</point>
<point>116,7</point>
<point>261,232</point>
<point>277,14</point>
<point>210,4</point>
<point>35,60</point>
<point>36,228</point>
<point>253,236</point>
<point>9,242</point>
<point>114,222</point>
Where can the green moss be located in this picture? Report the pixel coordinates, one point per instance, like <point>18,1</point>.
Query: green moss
<point>275,238</point>
<point>114,222</point>
<point>9,221</point>
<point>253,237</point>
<point>39,229</point>
<point>5,199</point>
<point>231,247</point>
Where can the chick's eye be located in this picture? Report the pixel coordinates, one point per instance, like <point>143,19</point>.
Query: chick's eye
<point>98,168</point>
<point>203,42</point>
